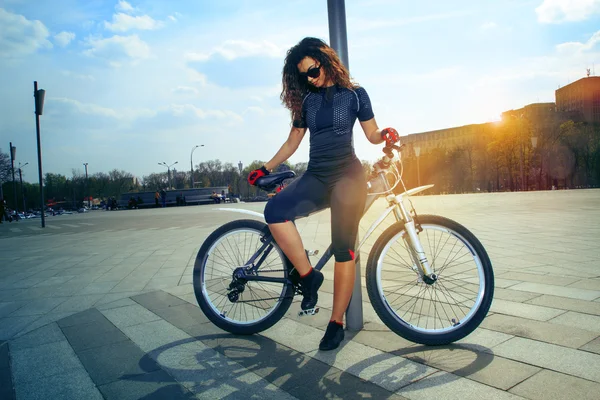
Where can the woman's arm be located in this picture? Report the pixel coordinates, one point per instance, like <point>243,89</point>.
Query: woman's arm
<point>372,131</point>
<point>288,148</point>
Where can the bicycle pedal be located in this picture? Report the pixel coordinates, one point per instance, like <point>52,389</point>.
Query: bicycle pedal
<point>310,311</point>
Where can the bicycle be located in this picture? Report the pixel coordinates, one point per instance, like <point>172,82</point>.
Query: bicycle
<point>429,278</point>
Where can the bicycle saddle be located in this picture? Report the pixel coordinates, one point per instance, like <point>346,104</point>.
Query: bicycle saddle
<point>271,181</point>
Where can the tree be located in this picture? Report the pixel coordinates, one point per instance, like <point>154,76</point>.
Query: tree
<point>5,170</point>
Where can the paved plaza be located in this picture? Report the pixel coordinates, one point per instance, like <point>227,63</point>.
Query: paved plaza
<point>101,306</point>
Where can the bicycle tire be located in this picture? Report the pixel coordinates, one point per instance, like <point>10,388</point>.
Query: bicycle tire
<point>464,318</point>
<point>245,248</point>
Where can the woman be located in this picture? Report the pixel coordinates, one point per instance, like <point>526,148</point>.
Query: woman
<point>321,97</point>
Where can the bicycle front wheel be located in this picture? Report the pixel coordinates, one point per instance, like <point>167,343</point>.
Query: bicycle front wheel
<point>432,314</point>
<point>247,307</point>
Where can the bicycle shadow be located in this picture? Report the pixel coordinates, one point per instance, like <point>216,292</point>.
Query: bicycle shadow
<point>228,366</point>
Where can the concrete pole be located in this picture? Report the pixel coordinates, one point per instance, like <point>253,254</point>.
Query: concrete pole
<point>336,10</point>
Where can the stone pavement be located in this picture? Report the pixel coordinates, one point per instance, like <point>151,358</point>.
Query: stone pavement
<point>100,305</point>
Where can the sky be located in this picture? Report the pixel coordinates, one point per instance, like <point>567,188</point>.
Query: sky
<point>130,84</point>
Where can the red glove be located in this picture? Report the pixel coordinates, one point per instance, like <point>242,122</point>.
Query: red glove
<point>390,135</point>
<point>257,173</point>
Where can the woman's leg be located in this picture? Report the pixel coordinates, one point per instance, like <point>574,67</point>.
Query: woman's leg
<point>348,198</point>
<point>343,284</point>
<point>287,237</point>
<point>302,197</point>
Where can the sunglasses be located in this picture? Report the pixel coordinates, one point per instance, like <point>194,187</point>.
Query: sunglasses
<point>313,72</point>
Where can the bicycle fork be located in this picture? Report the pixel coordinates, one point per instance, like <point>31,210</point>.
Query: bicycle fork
<point>413,242</point>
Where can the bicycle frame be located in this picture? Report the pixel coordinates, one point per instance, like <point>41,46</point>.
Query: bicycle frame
<point>379,187</point>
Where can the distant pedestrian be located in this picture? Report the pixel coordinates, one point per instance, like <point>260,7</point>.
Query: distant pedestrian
<point>156,197</point>
<point>163,195</point>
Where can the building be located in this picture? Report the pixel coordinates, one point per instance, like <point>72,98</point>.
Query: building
<point>580,100</point>
<point>449,138</point>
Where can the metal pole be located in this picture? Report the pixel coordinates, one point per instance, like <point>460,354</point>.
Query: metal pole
<point>12,163</point>
<point>39,148</point>
<point>86,184</point>
<point>336,10</point>
<point>22,193</point>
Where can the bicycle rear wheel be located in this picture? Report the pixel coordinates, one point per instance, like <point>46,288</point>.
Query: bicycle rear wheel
<point>432,314</point>
<point>251,306</point>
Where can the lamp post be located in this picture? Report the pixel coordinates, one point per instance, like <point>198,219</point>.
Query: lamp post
<point>418,153</point>
<point>21,180</point>
<point>86,184</point>
<point>192,164</point>
<point>13,156</point>
<point>39,107</point>
<point>168,170</point>
<point>240,167</point>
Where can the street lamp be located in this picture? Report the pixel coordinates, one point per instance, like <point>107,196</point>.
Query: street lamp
<point>86,184</point>
<point>13,156</point>
<point>192,164</point>
<point>168,170</point>
<point>417,153</point>
<point>21,180</point>
<point>38,95</point>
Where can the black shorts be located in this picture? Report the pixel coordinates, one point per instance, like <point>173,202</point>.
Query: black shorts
<point>346,194</point>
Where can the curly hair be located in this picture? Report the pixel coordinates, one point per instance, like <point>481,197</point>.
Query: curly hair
<point>295,88</point>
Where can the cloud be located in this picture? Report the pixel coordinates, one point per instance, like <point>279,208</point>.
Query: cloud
<point>489,25</point>
<point>123,22</point>
<point>75,75</point>
<point>64,38</point>
<point>124,6</point>
<point>185,90</point>
<point>118,49</point>
<point>578,47</point>
<point>558,11</point>
<point>20,36</point>
<point>232,49</point>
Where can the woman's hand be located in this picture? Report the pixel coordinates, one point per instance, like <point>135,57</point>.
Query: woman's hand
<point>257,173</point>
<point>390,135</point>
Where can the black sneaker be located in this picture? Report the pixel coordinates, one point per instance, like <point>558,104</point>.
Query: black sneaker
<point>333,336</point>
<point>310,285</point>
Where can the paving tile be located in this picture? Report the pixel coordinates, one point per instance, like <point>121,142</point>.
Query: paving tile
<point>42,320</point>
<point>78,303</point>
<point>157,300</point>
<point>295,335</point>
<point>564,303</point>
<point>7,391</point>
<point>152,335</point>
<point>593,346</point>
<point>7,308</point>
<point>550,385</point>
<point>480,366</point>
<point>112,362</point>
<point>4,357</point>
<point>574,293</point>
<point>130,315</point>
<point>47,334</point>
<point>155,385</point>
<point>387,370</point>
<point>182,315</point>
<point>39,306</point>
<point>96,334</point>
<point>549,356</point>
<point>444,385</point>
<point>550,332</point>
<point>538,278</point>
<point>10,326</point>
<point>88,316</point>
<point>579,320</point>
<point>69,385</point>
<point>98,288</point>
<point>524,310</point>
<point>115,304</point>
<point>35,363</point>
